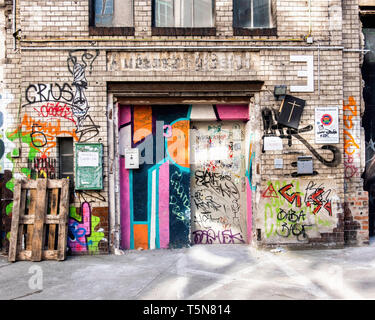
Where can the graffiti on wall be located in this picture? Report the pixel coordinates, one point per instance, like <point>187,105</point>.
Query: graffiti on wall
<point>298,210</point>
<point>43,168</point>
<point>155,206</point>
<point>272,129</point>
<point>218,181</point>
<point>39,135</point>
<point>80,107</point>
<point>54,110</point>
<point>84,230</point>
<point>2,140</point>
<point>351,146</point>
<point>156,199</point>
<point>55,105</point>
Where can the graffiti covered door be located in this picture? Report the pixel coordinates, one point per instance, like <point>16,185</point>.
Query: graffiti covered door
<point>218,185</point>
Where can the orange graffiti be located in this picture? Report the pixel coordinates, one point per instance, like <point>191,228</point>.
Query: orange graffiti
<point>352,107</point>
<point>142,122</point>
<point>178,143</point>
<point>349,141</point>
<point>140,236</point>
<point>42,134</point>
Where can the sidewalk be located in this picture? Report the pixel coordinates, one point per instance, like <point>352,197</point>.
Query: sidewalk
<point>200,272</point>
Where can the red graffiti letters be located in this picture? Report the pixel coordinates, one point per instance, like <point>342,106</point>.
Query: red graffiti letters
<point>290,198</point>
<point>55,110</point>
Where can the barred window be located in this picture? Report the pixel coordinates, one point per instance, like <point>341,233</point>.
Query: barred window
<point>66,156</point>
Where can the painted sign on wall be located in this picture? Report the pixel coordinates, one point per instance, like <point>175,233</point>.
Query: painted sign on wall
<point>188,61</point>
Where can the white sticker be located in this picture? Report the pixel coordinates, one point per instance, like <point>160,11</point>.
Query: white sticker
<point>88,159</point>
<point>273,143</point>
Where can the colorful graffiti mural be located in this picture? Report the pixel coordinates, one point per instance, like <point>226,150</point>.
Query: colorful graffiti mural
<point>51,111</point>
<point>297,210</point>
<point>155,208</point>
<point>84,231</point>
<point>155,199</point>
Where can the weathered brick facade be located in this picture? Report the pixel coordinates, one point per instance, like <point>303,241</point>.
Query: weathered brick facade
<point>54,37</point>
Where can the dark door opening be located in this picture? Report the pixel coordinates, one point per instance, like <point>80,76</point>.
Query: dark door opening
<point>368,120</point>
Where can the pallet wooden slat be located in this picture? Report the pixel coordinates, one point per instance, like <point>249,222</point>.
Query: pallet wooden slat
<point>40,212</point>
<point>20,226</point>
<point>29,220</point>
<point>35,221</point>
<point>64,215</point>
<point>15,222</point>
<point>54,209</point>
<point>31,212</point>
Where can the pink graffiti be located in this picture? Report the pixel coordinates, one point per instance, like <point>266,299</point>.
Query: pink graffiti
<point>351,170</point>
<point>79,231</point>
<point>167,134</point>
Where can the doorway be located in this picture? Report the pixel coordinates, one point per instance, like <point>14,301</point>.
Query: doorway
<point>165,201</point>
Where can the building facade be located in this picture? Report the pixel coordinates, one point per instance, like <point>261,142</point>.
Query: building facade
<point>189,122</point>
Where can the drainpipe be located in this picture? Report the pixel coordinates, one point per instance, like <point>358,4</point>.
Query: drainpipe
<point>14,26</point>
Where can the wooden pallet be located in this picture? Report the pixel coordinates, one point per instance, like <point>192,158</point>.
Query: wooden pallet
<point>39,220</point>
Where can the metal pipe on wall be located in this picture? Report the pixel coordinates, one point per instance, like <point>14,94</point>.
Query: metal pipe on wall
<point>191,48</point>
<point>14,25</point>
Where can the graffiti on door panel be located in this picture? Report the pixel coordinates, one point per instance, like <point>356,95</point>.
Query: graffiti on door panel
<point>218,184</point>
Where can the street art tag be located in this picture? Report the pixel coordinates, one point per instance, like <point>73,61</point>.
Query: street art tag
<point>295,211</point>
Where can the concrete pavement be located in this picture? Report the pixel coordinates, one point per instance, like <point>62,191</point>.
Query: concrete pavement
<point>200,272</point>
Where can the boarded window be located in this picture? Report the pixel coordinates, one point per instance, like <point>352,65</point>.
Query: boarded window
<point>113,13</point>
<point>252,13</point>
<point>184,13</point>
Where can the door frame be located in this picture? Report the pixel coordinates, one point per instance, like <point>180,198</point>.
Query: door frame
<point>117,96</point>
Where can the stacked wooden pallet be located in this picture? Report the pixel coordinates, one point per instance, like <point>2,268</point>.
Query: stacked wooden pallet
<point>39,220</point>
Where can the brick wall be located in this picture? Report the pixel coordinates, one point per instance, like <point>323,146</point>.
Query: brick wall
<point>331,23</point>
<point>356,200</point>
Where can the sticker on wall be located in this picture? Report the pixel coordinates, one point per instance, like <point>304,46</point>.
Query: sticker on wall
<point>326,125</point>
<point>273,143</point>
<point>278,163</point>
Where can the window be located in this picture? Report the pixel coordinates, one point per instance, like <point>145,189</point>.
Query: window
<point>66,166</point>
<point>252,14</point>
<point>111,17</point>
<point>186,14</point>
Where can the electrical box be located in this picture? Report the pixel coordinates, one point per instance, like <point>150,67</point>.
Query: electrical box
<point>305,165</point>
<point>131,158</point>
<point>278,163</point>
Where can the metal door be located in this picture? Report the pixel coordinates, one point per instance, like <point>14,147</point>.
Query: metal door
<point>218,185</point>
